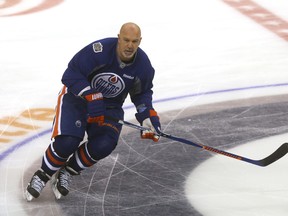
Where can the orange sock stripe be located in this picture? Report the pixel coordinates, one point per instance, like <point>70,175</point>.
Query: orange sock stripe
<point>53,159</point>
<point>83,157</point>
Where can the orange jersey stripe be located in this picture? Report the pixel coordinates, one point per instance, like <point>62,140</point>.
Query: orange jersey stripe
<point>56,124</point>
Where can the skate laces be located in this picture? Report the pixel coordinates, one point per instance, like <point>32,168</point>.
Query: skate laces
<point>64,178</point>
<point>37,183</point>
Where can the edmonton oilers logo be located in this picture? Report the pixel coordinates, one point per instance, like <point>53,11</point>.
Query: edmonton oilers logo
<point>109,84</point>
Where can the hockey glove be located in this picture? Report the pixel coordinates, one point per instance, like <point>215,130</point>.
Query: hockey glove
<point>95,106</point>
<point>150,119</point>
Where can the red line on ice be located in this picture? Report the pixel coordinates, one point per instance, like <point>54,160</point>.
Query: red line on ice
<point>262,16</point>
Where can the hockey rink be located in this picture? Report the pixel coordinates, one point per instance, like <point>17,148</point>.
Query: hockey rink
<point>221,80</point>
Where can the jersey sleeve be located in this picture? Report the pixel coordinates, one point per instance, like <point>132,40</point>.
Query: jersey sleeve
<point>141,93</point>
<point>76,76</point>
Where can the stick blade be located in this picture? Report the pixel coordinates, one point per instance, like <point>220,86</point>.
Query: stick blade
<point>279,153</point>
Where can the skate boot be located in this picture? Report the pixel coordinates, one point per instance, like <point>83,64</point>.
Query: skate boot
<point>61,180</point>
<point>36,185</point>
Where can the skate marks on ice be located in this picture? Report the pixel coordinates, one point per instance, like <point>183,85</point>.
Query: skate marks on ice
<point>147,178</point>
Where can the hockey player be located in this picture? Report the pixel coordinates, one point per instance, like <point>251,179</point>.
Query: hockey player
<point>96,82</point>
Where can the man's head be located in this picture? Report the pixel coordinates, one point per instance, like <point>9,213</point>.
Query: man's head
<point>129,40</point>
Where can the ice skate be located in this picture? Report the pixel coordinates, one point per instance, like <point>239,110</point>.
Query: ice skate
<point>36,185</point>
<point>61,180</point>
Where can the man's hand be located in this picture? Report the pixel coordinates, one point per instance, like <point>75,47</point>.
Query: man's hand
<point>149,118</point>
<point>95,106</point>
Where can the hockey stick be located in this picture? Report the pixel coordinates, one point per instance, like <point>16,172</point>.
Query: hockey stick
<point>276,155</point>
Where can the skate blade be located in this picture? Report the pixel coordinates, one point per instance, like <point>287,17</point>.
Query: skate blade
<point>28,196</point>
<point>57,194</point>
<point>54,181</point>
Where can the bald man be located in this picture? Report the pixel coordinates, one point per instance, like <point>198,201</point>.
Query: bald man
<point>129,40</point>
<point>96,83</point>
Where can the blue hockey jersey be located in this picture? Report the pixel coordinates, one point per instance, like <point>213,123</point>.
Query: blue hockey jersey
<point>97,66</point>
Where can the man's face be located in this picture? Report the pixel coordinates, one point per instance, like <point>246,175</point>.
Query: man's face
<point>128,43</point>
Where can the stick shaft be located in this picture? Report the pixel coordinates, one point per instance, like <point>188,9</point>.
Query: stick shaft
<point>276,155</point>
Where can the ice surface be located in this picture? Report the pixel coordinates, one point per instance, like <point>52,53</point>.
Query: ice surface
<point>221,80</point>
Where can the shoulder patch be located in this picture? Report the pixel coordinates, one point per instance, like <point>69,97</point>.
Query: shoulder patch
<point>97,47</point>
